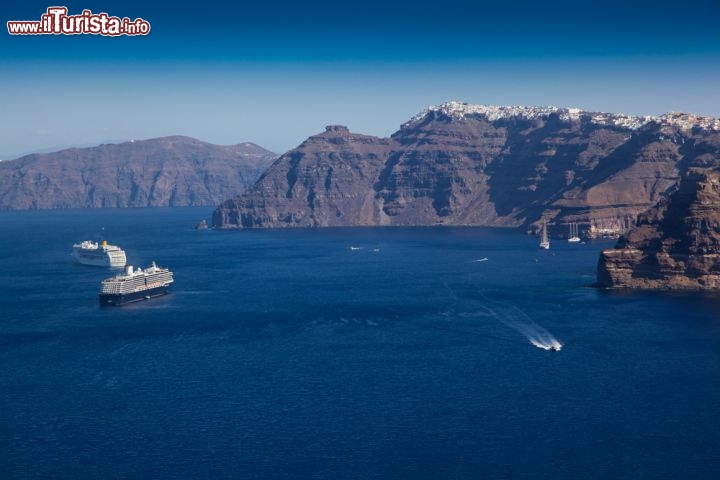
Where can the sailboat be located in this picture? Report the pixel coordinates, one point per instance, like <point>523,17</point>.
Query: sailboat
<point>544,240</point>
<point>573,237</point>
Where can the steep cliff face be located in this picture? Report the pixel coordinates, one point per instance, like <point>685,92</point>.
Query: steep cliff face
<point>513,170</point>
<point>437,173</point>
<point>169,171</point>
<point>676,245</point>
<point>326,181</point>
<point>460,164</point>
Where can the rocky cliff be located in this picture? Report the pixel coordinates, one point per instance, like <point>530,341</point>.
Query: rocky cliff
<point>326,181</point>
<point>676,245</point>
<point>460,164</point>
<point>169,171</point>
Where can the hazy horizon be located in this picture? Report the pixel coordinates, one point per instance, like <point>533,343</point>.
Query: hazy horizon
<point>274,75</point>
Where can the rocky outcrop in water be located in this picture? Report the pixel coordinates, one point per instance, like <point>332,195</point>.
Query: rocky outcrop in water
<point>676,245</point>
<point>459,164</point>
<point>169,171</point>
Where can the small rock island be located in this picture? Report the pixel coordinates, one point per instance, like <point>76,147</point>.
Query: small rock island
<point>675,245</point>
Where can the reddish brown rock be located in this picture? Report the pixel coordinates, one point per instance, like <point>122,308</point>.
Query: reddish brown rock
<point>676,245</point>
<point>459,164</point>
<point>326,181</point>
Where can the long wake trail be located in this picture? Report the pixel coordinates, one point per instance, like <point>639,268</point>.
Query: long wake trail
<point>507,314</point>
<point>521,322</point>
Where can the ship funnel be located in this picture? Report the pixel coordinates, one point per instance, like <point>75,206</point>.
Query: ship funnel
<point>129,270</point>
<point>104,244</point>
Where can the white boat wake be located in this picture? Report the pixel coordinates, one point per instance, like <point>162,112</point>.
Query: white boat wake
<point>509,315</point>
<point>519,321</point>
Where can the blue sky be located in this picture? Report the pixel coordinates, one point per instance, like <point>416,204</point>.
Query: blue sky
<point>276,72</point>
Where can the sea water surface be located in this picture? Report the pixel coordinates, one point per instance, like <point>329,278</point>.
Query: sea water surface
<point>344,353</point>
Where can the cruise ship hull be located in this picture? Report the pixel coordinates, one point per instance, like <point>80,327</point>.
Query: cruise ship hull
<point>117,299</point>
<point>99,261</point>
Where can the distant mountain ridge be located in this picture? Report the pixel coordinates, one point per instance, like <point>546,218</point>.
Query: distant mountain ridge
<point>56,148</point>
<point>462,164</point>
<point>167,171</point>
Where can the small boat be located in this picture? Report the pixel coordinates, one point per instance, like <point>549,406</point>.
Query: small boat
<point>544,240</point>
<point>201,225</point>
<point>555,347</point>
<point>573,237</point>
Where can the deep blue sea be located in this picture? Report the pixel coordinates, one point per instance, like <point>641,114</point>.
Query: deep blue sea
<point>344,353</point>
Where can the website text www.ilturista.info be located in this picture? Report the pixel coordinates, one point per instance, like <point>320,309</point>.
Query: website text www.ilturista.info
<point>56,21</point>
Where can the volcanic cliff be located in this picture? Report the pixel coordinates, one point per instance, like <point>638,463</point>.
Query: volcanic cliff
<point>676,245</point>
<point>326,181</point>
<point>461,164</point>
<point>168,171</point>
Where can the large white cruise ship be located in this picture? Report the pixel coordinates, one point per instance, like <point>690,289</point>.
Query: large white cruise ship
<point>103,255</point>
<point>134,285</point>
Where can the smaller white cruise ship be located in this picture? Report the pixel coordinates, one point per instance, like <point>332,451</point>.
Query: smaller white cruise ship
<point>99,255</point>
